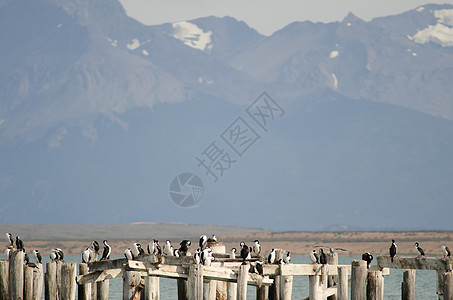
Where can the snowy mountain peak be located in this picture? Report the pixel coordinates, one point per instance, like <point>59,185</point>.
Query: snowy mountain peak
<point>440,33</point>
<point>192,35</point>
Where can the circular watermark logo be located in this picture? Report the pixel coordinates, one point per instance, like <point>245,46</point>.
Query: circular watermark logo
<point>186,190</point>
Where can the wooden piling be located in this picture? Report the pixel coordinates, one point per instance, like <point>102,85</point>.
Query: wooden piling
<point>4,279</point>
<point>84,290</point>
<point>448,285</point>
<point>232,290</point>
<point>440,284</point>
<point>374,286</point>
<point>68,281</point>
<point>195,282</point>
<point>51,281</point>
<point>209,291</point>
<point>315,287</point>
<point>358,279</point>
<point>261,292</point>
<point>103,290</point>
<point>182,289</point>
<point>286,287</point>
<point>242,281</point>
<point>332,280</point>
<point>16,275</point>
<point>28,283</point>
<point>408,285</point>
<point>131,280</point>
<point>38,278</point>
<point>152,288</point>
<point>342,287</point>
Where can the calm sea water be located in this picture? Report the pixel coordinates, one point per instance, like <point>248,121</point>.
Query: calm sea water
<point>425,282</point>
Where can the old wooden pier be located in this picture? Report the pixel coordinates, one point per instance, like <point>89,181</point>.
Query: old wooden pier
<point>224,279</point>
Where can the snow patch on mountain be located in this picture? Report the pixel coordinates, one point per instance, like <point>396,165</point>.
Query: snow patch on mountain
<point>192,35</point>
<point>440,33</point>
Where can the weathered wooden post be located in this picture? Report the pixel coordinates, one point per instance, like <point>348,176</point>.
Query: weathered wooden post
<point>242,281</point>
<point>103,290</point>
<point>4,279</point>
<point>221,288</point>
<point>315,287</point>
<point>261,292</point>
<point>286,289</point>
<point>448,285</point>
<point>374,286</point>
<point>38,277</point>
<point>131,280</point>
<point>59,264</point>
<point>440,285</point>
<point>28,283</point>
<point>232,291</point>
<point>68,287</point>
<point>195,282</point>
<point>332,259</point>
<point>182,289</point>
<point>16,275</point>
<point>84,290</point>
<point>342,287</point>
<point>152,288</point>
<point>358,279</point>
<point>209,291</point>
<point>408,285</point>
<point>51,281</point>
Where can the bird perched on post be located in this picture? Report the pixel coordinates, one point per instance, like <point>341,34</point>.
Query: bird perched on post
<point>419,250</point>
<point>206,257</point>
<point>8,252</point>
<point>86,254</point>
<point>107,251</point>
<point>271,257</point>
<point>314,257</point>
<point>446,251</point>
<point>212,239</point>
<point>257,248</point>
<point>137,250</point>
<point>368,258</point>
<point>128,254</point>
<point>203,242</point>
<point>233,253</point>
<point>94,251</point>
<point>392,250</point>
<point>184,247</point>
<point>166,250</point>
<point>19,244</point>
<point>322,257</point>
<point>259,267</point>
<point>10,238</point>
<point>287,257</point>
<point>37,256</point>
<point>245,252</point>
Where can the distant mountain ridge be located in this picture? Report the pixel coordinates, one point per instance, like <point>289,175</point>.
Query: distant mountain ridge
<point>100,112</point>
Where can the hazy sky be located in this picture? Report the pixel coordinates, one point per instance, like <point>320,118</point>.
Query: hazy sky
<point>266,16</point>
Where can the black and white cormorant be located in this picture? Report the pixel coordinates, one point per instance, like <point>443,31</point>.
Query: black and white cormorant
<point>287,257</point>
<point>197,256</point>
<point>212,239</point>
<point>245,252</point>
<point>271,257</point>
<point>203,242</point>
<point>166,250</point>
<point>37,256</point>
<point>107,251</point>
<point>86,255</point>
<point>10,238</point>
<point>137,250</point>
<point>128,254</point>
<point>257,247</point>
<point>393,250</point>
<point>419,250</point>
<point>446,251</point>
<point>206,256</point>
<point>322,257</point>
<point>19,244</point>
<point>259,267</point>
<point>368,258</point>
<point>314,257</point>
<point>7,253</point>
<point>184,247</point>
<point>233,253</point>
<point>176,253</point>
<point>53,255</point>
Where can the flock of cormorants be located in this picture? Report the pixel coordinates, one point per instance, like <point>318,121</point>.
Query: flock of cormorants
<point>202,255</point>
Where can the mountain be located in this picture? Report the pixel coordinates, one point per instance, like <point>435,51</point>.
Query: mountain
<point>100,113</point>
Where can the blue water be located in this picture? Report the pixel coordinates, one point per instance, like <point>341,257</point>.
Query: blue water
<point>425,282</point>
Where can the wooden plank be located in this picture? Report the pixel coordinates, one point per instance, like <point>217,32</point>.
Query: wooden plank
<point>99,276</point>
<point>107,264</point>
<point>423,263</point>
<point>330,291</point>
